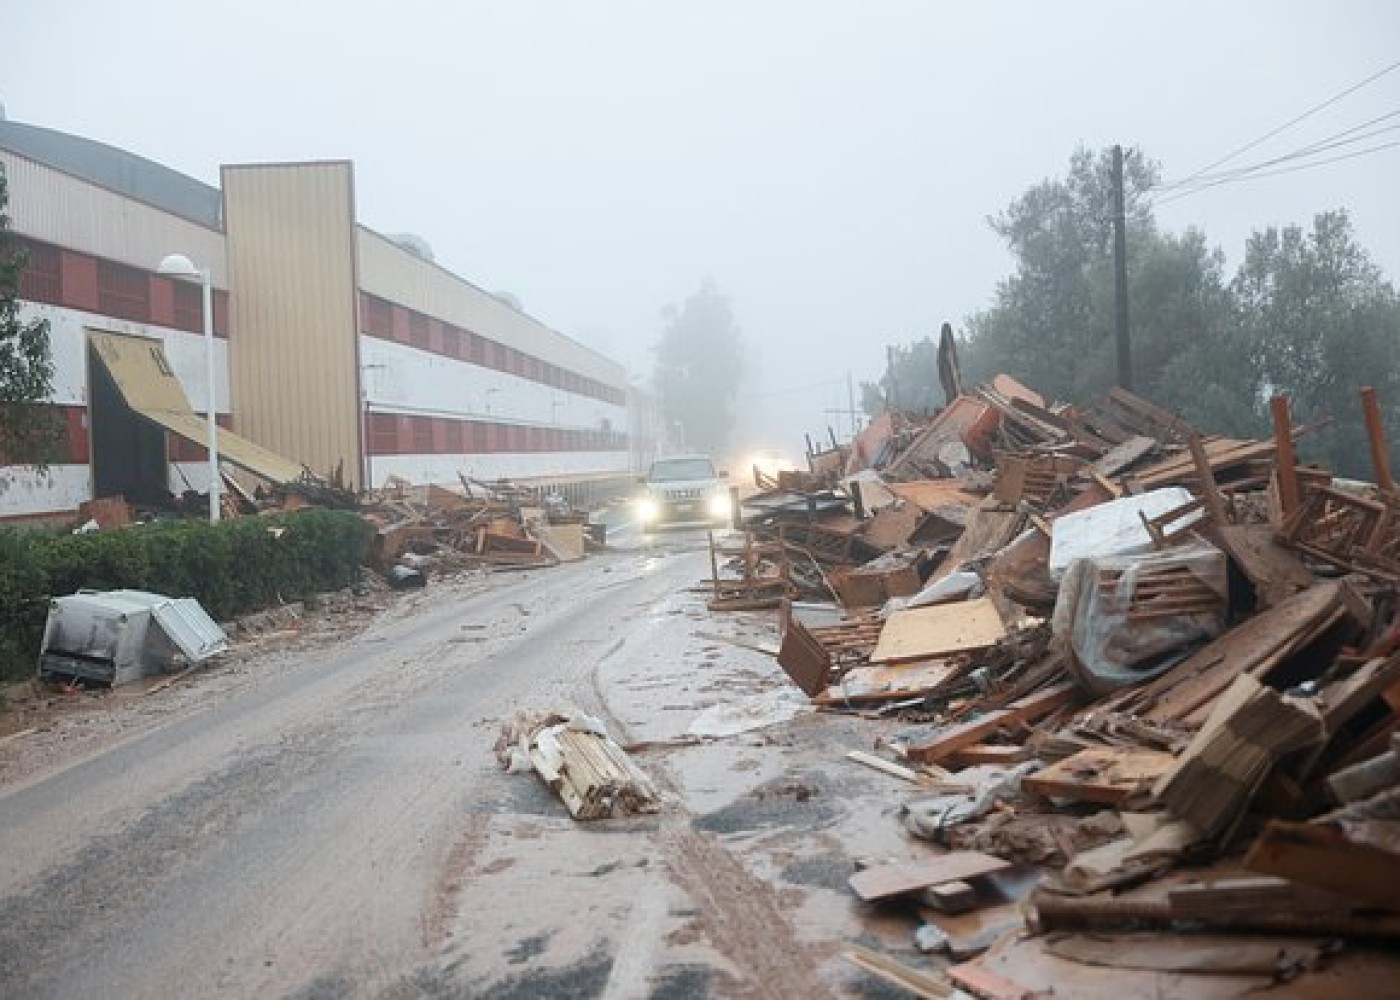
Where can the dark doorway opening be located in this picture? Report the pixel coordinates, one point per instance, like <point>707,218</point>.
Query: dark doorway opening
<point>128,451</point>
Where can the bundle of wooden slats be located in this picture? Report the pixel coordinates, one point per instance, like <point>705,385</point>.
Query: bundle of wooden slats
<point>591,774</point>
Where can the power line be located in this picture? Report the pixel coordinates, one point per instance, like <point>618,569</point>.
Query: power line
<point>1293,121</point>
<point>1275,173</point>
<point>1302,153</point>
<point>1337,139</point>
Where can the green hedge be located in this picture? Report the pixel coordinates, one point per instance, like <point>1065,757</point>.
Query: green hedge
<point>232,567</point>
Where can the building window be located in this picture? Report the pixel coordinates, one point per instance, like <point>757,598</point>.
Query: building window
<point>453,437</point>
<point>422,435</point>
<point>451,341</point>
<point>481,438</point>
<point>418,330</point>
<point>42,280</point>
<point>189,306</point>
<point>377,317</point>
<point>123,292</point>
<point>383,434</point>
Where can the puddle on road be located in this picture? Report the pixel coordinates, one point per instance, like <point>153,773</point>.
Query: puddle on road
<point>788,802</point>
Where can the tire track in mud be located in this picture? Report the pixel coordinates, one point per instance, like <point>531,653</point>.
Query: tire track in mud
<point>740,916</point>
<point>737,913</point>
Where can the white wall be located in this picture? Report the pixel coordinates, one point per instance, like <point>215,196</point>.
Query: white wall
<point>66,211</point>
<point>444,468</point>
<point>68,343</point>
<point>25,491</point>
<point>392,273</point>
<point>400,379</point>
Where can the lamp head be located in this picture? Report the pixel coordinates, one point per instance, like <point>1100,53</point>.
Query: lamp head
<point>177,265</point>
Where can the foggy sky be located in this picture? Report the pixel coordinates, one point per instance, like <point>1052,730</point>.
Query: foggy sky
<point>830,165</point>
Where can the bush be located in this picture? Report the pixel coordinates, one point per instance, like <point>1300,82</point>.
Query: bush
<point>231,568</point>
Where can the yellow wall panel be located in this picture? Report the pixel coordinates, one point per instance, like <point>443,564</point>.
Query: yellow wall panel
<point>294,346</point>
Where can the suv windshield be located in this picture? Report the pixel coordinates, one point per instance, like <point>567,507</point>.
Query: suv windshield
<point>672,470</point>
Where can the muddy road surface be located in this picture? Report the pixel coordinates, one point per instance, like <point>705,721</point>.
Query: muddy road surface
<point>327,819</point>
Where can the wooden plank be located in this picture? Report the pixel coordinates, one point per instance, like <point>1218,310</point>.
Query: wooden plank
<point>901,878</point>
<point>1375,437</point>
<point>1325,857</point>
<point>887,766</point>
<point>982,982</point>
<point>939,746</point>
<point>1124,456</point>
<point>1276,572</point>
<point>921,633</point>
<point>1210,493</point>
<point>803,659</point>
<point>990,753</point>
<point>1107,775</point>
<point>1232,895</point>
<point>876,683</point>
<point>1255,646</point>
<point>926,985</point>
<point>1286,467</point>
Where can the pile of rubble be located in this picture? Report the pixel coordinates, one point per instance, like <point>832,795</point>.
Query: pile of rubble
<point>502,524</point>
<point>1148,678</point>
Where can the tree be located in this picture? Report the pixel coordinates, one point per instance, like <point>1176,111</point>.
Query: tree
<point>699,363</point>
<point>29,427</point>
<point>1051,322</point>
<point>910,383</point>
<point>1322,323</point>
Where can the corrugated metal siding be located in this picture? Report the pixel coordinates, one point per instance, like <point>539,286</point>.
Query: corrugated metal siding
<point>58,208</point>
<point>292,301</point>
<point>392,273</point>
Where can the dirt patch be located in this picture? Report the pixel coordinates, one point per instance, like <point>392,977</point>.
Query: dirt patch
<point>528,948</point>
<point>688,982</point>
<point>584,980</point>
<point>830,871</point>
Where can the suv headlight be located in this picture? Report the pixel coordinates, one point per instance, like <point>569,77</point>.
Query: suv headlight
<point>719,505</point>
<point>647,509</point>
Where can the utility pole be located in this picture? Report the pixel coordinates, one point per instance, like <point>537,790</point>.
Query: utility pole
<point>851,401</point>
<point>892,392</point>
<point>1120,274</point>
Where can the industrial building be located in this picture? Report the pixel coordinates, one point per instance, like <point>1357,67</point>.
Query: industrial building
<point>336,349</point>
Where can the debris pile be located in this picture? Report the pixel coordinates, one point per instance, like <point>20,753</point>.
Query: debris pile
<point>1161,667</point>
<point>503,525</point>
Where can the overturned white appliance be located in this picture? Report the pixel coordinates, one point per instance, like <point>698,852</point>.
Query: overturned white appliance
<point>116,636</point>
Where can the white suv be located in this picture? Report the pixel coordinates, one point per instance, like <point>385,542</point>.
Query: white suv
<point>685,489</point>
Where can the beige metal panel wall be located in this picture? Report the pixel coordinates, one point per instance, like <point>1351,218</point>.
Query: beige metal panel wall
<point>58,208</point>
<point>390,272</point>
<point>294,359</point>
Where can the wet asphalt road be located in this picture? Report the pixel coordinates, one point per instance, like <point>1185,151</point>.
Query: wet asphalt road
<point>340,827</point>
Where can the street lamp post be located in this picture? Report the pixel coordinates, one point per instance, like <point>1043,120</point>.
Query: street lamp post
<point>177,265</point>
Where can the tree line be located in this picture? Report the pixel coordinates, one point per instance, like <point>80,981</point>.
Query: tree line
<point>1307,314</point>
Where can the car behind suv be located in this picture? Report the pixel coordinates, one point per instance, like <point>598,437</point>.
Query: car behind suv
<point>685,489</point>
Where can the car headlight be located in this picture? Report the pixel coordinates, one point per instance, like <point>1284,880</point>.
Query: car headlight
<point>719,505</point>
<point>647,510</point>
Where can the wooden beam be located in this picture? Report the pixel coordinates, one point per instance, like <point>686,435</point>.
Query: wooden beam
<point>1375,435</point>
<point>926,985</point>
<point>1034,706</point>
<point>1285,464</point>
<point>1210,492</point>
